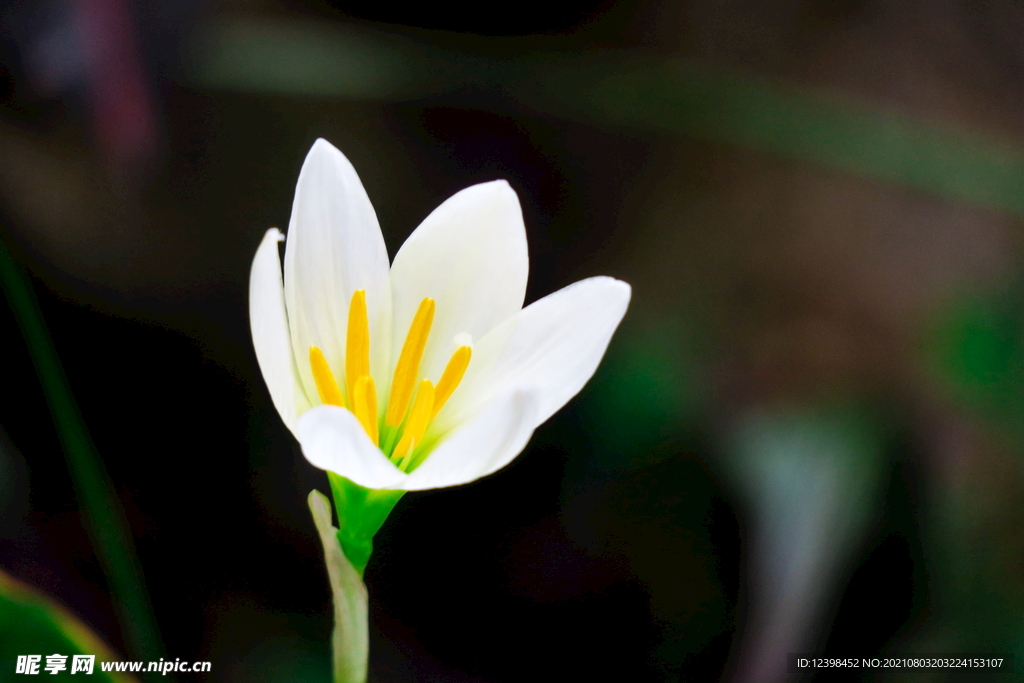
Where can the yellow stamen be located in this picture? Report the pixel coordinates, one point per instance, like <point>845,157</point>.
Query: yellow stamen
<point>451,377</point>
<point>364,405</point>
<point>357,343</point>
<point>408,366</point>
<point>419,417</point>
<point>326,385</point>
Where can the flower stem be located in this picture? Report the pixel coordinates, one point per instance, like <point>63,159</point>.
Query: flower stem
<point>104,517</point>
<point>350,640</point>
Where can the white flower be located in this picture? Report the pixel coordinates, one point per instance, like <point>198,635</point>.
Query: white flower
<point>464,374</point>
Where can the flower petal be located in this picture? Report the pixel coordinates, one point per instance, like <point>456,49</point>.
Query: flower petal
<point>334,248</point>
<point>332,439</point>
<point>469,255</point>
<point>481,446</point>
<point>555,344</point>
<point>269,323</point>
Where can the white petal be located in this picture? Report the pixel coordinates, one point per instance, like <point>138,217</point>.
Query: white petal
<point>334,248</point>
<point>481,446</point>
<point>554,344</point>
<point>469,255</point>
<point>332,439</point>
<point>269,323</point>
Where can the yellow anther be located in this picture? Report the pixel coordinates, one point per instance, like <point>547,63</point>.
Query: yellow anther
<point>451,377</point>
<point>326,385</point>
<point>419,418</point>
<point>408,366</point>
<point>364,405</point>
<point>357,343</point>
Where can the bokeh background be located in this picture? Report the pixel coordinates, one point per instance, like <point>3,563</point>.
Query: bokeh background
<point>806,436</point>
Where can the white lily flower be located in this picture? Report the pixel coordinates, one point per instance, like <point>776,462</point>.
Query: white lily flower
<point>463,372</point>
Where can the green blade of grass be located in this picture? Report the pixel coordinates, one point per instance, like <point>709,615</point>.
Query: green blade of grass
<point>632,90</point>
<point>684,98</point>
<point>104,518</point>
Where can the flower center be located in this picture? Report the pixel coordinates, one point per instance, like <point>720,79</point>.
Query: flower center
<point>403,427</point>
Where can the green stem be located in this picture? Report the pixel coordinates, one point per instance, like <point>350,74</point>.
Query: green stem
<point>104,517</point>
<point>350,641</point>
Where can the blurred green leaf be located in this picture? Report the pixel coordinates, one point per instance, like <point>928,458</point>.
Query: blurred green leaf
<point>31,623</point>
<point>977,348</point>
<point>104,517</point>
<point>311,58</point>
<point>678,96</point>
<point>646,393</point>
<point>632,89</point>
<point>811,479</point>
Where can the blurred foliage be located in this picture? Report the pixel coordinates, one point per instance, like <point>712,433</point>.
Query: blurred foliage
<point>976,347</point>
<point>612,87</point>
<point>686,98</point>
<point>103,514</point>
<point>31,623</point>
<point>648,395</point>
<point>811,478</point>
<point>639,483</point>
